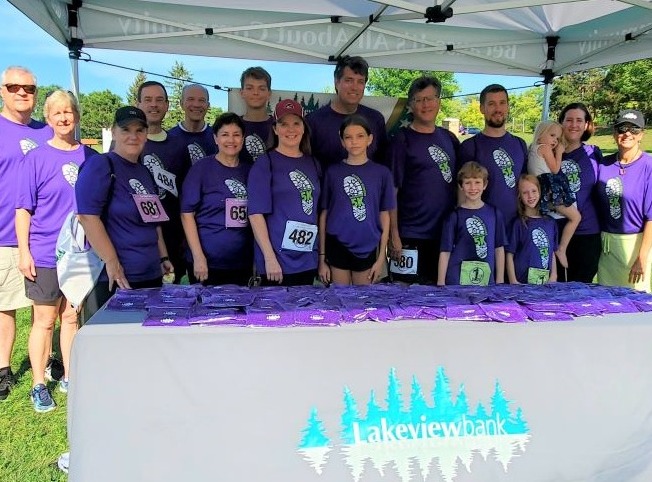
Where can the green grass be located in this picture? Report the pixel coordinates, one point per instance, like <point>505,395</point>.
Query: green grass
<point>30,442</point>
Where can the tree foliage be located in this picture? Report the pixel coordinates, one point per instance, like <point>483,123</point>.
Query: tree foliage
<point>526,109</point>
<point>98,110</point>
<point>396,83</point>
<point>132,91</point>
<point>174,87</point>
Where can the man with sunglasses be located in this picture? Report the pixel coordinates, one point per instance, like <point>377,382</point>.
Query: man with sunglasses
<point>19,133</point>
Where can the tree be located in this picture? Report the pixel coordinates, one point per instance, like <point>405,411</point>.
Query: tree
<point>396,82</point>
<point>586,87</point>
<point>526,109</point>
<point>175,87</point>
<point>627,86</point>
<point>132,91</point>
<point>470,114</point>
<point>98,110</point>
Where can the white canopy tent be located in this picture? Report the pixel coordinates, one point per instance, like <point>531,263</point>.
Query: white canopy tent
<point>507,37</point>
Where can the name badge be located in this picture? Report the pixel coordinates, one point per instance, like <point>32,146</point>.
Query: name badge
<point>476,273</point>
<point>299,236</point>
<point>235,213</point>
<point>537,276</point>
<point>150,208</point>
<point>407,264</point>
<point>165,180</point>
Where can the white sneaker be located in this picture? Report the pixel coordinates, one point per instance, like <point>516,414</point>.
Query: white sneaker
<point>63,462</point>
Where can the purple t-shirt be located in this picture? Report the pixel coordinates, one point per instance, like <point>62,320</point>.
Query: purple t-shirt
<point>199,144</point>
<point>532,243</point>
<point>15,141</point>
<point>256,138</point>
<point>354,197</point>
<point>425,170</point>
<point>284,190</point>
<point>207,187</point>
<point>506,159</point>
<point>325,135</point>
<point>624,201</point>
<point>472,235</point>
<point>135,241</point>
<point>45,183</point>
<point>580,168</point>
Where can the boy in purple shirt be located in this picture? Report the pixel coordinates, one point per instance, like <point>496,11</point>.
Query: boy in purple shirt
<point>473,238</point>
<point>195,133</point>
<point>502,154</point>
<point>356,199</point>
<point>256,90</point>
<point>351,75</point>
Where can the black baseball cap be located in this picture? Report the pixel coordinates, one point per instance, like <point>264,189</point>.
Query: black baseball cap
<point>127,115</point>
<point>630,116</point>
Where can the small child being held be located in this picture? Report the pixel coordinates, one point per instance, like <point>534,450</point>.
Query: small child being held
<point>357,196</point>
<point>533,238</point>
<point>544,161</point>
<point>473,238</point>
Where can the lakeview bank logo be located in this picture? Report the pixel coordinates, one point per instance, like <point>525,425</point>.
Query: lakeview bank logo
<point>409,439</point>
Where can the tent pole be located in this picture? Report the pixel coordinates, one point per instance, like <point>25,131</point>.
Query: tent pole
<point>74,82</point>
<point>546,101</point>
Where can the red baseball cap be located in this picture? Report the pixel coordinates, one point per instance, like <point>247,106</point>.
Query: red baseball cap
<point>287,106</point>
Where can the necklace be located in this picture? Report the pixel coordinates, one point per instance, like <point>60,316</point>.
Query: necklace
<point>624,166</point>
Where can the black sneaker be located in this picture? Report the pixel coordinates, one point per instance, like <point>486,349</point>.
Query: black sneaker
<point>6,382</point>
<point>54,370</point>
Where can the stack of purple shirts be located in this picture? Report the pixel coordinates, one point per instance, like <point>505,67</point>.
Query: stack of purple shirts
<point>174,305</point>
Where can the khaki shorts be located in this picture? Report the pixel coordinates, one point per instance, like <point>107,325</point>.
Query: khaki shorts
<point>12,282</point>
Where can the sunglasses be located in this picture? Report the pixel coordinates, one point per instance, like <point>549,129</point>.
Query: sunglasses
<point>15,88</point>
<point>625,129</point>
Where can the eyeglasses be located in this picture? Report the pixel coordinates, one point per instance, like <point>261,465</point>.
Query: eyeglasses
<point>631,129</point>
<point>425,100</point>
<point>15,88</point>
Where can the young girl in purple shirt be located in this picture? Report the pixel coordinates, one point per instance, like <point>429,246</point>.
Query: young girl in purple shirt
<point>354,222</point>
<point>533,238</point>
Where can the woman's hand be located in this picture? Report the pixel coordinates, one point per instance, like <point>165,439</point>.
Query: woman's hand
<point>26,264</point>
<point>636,272</point>
<point>116,275</point>
<point>273,269</point>
<point>376,269</point>
<point>395,245</point>
<point>324,271</point>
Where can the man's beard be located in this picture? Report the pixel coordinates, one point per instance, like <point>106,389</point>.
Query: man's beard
<point>496,125</point>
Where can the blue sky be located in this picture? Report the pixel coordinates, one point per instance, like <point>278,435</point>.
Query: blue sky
<point>24,43</point>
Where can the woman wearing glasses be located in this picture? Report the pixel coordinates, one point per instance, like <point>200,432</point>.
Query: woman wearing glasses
<point>424,160</point>
<point>624,201</point>
<point>579,164</point>
<point>45,196</point>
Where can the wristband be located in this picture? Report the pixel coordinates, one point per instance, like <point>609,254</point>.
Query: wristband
<point>322,254</point>
<point>164,259</point>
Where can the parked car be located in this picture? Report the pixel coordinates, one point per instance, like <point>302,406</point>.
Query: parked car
<point>473,130</point>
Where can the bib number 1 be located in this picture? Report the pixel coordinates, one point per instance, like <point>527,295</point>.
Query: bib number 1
<point>299,236</point>
<point>150,208</point>
<point>235,213</point>
<point>407,264</point>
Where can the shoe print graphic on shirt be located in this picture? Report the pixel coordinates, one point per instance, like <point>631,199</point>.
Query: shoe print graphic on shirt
<point>478,231</point>
<point>614,191</point>
<point>572,171</point>
<point>443,162</point>
<point>137,186</point>
<point>254,145</point>
<point>354,188</point>
<point>70,171</point>
<point>305,188</point>
<point>541,241</point>
<point>27,145</point>
<point>195,152</point>
<point>238,189</point>
<point>150,161</point>
<point>506,165</point>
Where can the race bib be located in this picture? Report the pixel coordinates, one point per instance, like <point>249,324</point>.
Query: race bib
<point>407,264</point>
<point>165,179</point>
<point>235,213</point>
<point>150,208</point>
<point>537,276</point>
<point>475,273</point>
<point>299,236</point>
